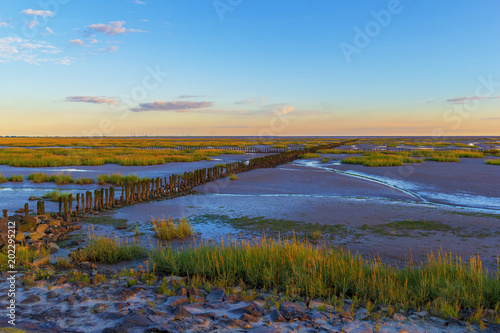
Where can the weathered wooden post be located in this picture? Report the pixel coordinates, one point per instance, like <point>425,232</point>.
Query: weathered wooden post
<point>126,195</point>
<point>122,197</point>
<point>70,208</point>
<point>5,213</point>
<point>26,209</point>
<point>89,195</point>
<point>78,203</point>
<point>60,206</point>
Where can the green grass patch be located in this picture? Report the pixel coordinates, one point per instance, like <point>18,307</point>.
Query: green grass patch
<point>304,269</point>
<point>108,250</point>
<point>3,179</point>
<point>278,227</point>
<point>118,179</point>
<point>443,159</point>
<point>381,159</point>
<point>167,229</point>
<point>55,195</point>
<point>493,162</point>
<point>106,220</point>
<point>16,178</point>
<point>83,181</point>
<point>310,155</point>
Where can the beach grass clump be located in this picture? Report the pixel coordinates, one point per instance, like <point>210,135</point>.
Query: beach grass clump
<point>3,179</point>
<point>38,178</point>
<point>118,179</point>
<point>233,177</point>
<point>443,159</point>
<point>108,250</point>
<point>310,155</point>
<point>319,272</point>
<point>83,181</point>
<point>381,159</point>
<point>16,178</point>
<point>493,162</point>
<point>55,195</point>
<point>167,229</point>
<point>58,178</point>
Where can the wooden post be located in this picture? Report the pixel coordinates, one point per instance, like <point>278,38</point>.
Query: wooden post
<point>26,209</point>
<point>70,210</point>
<point>60,206</point>
<point>106,197</point>
<point>78,203</point>
<point>5,213</point>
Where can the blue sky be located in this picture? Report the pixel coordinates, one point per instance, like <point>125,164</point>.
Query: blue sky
<point>74,67</point>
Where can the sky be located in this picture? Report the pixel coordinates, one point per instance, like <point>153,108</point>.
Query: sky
<point>254,68</point>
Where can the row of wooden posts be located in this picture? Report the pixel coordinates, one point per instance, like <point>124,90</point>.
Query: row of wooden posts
<point>158,188</point>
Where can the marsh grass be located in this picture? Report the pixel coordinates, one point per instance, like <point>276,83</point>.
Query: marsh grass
<point>108,250</point>
<point>233,177</point>
<point>16,178</point>
<point>118,179</point>
<point>3,179</point>
<point>381,159</point>
<point>55,195</point>
<point>303,269</point>
<point>58,178</point>
<point>83,181</point>
<point>24,256</point>
<point>493,162</point>
<point>167,229</point>
<point>310,155</point>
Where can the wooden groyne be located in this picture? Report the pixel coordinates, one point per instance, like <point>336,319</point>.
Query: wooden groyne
<point>165,188</point>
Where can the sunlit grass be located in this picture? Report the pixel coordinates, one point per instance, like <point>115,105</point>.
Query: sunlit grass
<point>167,229</point>
<point>118,179</point>
<point>108,250</point>
<point>16,178</point>
<point>380,159</point>
<point>58,178</point>
<point>55,195</point>
<point>310,155</point>
<point>493,162</point>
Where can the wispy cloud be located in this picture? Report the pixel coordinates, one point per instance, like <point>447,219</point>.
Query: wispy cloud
<point>177,106</point>
<point>462,100</point>
<point>251,101</point>
<point>49,30</point>
<point>78,42</point>
<point>91,99</point>
<point>139,2</point>
<point>493,118</point>
<point>43,13</point>
<point>112,28</point>
<point>109,49</point>
<point>4,24</point>
<point>188,96</point>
